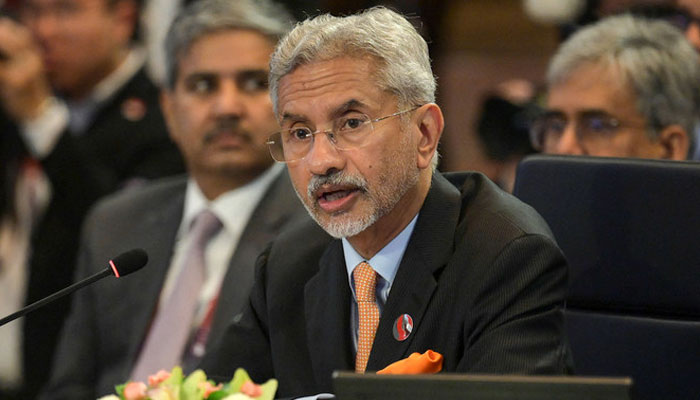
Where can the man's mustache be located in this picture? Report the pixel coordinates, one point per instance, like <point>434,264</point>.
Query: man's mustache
<point>336,178</point>
<point>228,126</point>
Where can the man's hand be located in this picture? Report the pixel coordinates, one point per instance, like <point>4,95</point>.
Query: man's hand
<point>24,88</point>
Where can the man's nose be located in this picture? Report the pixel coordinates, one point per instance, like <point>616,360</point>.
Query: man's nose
<point>323,156</point>
<point>229,99</point>
<point>568,142</point>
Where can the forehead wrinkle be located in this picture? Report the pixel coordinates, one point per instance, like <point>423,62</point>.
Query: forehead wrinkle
<point>311,87</point>
<point>311,81</point>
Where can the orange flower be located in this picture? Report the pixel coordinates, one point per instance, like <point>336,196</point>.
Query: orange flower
<point>209,388</point>
<point>135,391</point>
<point>158,377</point>
<point>251,389</point>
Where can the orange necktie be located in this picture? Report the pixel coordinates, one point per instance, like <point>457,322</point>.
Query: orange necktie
<point>365,290</point>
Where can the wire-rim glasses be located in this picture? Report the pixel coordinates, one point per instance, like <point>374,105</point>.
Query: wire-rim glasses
<point>348,131</point>
<point>592,128</point>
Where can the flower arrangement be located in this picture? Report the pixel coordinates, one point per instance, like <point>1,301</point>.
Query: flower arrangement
<point>174,385</point>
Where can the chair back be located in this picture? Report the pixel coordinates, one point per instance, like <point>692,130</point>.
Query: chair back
<point>630,230</point>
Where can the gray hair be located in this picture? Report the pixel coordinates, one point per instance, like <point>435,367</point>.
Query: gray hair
<point>384,35</point>
<point>210,16</point>
<point>654,59</point>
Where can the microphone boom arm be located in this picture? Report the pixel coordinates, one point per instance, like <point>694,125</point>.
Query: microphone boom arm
<point>122,265</point>
<point>63,292</point>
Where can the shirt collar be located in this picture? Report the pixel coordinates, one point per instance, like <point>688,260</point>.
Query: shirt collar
<point>229,206</point>
<point>109,86</point>
<point>117,79</point>
<point>386,261</point>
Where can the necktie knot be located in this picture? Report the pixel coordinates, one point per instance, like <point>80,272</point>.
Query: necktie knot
<point>365,283</point>
<point>205,225</point>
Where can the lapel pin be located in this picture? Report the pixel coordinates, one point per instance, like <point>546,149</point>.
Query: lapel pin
<point>403,327</point>
<point>133,109</point>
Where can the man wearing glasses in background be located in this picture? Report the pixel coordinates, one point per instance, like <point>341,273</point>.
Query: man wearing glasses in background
<point>623,87</point>
<point>400,259</point>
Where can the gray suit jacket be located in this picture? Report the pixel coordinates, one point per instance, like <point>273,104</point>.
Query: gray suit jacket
<point>109,320</point>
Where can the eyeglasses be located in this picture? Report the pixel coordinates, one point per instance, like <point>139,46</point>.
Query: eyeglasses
<point>593,129</point>
<point>348,132</point>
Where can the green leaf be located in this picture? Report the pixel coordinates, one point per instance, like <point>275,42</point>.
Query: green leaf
<point>190,387</point>
<point>175,379</point>
<point>239,378</point>
<point>269,389</point>
<point>120,390</point>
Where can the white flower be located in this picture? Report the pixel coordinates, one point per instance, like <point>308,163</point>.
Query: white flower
<point>238,396</point>
<point>109,397</point>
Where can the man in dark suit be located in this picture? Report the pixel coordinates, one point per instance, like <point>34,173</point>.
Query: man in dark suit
<point>219,113</point>
<point>80,119</point>
<point>401,259</point>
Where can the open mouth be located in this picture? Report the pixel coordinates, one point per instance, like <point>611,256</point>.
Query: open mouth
<point>337,195</point>
<point>336,199</point>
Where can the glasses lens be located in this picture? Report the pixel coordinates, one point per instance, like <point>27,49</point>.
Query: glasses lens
<point>546,131</point>
<point>598,125</point>
<point>274,143</point>
<point>350,130</point>
<point>597,129</point>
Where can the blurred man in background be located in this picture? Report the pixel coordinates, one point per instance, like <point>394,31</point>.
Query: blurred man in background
<point>79,119</point>
<point>625,87</point>
<point>202,232</point>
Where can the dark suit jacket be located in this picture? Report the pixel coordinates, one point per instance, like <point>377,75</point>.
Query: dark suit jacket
<point>109,320</point>
<point>481,277</point>
<point>114,150</point>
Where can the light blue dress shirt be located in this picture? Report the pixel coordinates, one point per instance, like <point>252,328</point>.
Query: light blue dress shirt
<point>385,263</point>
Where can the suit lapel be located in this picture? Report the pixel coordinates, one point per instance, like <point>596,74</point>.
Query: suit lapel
<point>159,230</point>
<point>327,308</point>
<point>428,251</point>
<point>277,207</point>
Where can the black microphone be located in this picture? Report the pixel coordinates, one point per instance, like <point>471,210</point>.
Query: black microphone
<point>121,265</point>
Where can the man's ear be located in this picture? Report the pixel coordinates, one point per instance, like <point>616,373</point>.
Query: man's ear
<point>675,142</point>
<point>430,123</point>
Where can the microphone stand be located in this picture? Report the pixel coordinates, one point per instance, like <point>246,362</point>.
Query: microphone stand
<point>63,292</point>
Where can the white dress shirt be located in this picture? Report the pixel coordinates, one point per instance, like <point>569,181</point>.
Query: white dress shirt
<point>234,209</point>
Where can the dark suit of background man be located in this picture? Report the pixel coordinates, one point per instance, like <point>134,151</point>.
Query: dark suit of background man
<point>476,270</point>
<point>79,119</point>
<point>219,113</point>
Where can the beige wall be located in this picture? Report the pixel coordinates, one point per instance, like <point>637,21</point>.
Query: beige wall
<point>484,42</point>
